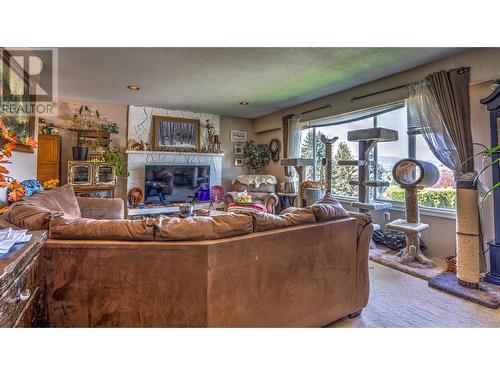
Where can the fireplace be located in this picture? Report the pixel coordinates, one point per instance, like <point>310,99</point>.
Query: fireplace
<point>143,165</point>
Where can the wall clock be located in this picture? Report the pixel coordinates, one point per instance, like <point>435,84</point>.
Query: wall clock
<point>275,146</point>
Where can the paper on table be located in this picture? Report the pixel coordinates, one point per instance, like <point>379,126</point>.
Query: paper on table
<point>9,237</point>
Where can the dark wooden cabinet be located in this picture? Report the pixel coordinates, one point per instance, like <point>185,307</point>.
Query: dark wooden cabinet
<point>492,103</point>
<point>49,157</point>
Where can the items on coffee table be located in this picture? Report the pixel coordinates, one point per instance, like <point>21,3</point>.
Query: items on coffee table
<point>9,237</point>
<point>186,209</point>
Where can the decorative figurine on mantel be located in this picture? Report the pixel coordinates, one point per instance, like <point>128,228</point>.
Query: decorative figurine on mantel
<point>413,175</point>
<point>213,144</point>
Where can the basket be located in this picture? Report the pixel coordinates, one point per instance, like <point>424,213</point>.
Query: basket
<point>451,264</point>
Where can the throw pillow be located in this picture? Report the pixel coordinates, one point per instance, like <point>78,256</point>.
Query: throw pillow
<point>328,208</point>
<point>31,187</point>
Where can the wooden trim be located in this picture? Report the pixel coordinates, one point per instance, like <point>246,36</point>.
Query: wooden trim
<point>157,119</point>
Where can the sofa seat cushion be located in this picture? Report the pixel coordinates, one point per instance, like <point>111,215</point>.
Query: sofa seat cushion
<point>298,216</point>
<point>328,208</point>
<point>203,228</point>
<point>36,211</point>
<point>70,228</point>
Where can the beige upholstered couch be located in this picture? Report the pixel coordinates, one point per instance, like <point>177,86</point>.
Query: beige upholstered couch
<point>306,267</point>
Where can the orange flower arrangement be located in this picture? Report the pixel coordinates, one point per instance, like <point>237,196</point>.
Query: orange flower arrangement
<point>16,190</point>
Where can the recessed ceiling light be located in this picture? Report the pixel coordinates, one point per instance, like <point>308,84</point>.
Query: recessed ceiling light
<point>133,87</point>
<point>243,103</point>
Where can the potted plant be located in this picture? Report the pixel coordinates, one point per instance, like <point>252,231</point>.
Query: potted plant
<point>115,156</point>
<point>257,156</point>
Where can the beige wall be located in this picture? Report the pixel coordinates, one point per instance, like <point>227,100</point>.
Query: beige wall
<point>229,171</point>
<point>118,114</point>
<point>485,66</point>
<point>115,112</point>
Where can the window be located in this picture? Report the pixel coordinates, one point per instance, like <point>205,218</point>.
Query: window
<point>382,158</point>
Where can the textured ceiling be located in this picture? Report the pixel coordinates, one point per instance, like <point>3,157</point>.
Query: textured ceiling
<point>215,80</point>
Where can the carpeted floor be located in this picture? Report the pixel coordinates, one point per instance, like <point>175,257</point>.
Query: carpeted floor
<point>486,294</point>
<point>383,255</point>
<point>401,300</point>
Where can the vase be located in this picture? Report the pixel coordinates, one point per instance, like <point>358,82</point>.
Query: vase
<point>80,153</point>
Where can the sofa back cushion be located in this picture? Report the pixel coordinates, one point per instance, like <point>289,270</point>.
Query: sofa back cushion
<point>203,228</point>
<point>35,212</point>
<point>71,228</point>
<point>65,195</point>
<point>298,216</point>
<point>328,208</point>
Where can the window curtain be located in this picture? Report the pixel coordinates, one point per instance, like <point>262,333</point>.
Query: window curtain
<point>426,117</point>
<point>440,106</point>
<point>292,139</point>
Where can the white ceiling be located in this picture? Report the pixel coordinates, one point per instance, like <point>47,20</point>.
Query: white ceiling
<point>215,80</point>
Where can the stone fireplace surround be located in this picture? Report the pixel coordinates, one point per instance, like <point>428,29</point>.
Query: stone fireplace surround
<point>140,129</point>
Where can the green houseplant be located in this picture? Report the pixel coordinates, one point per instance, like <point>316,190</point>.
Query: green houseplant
<point>257,156</point>
<point>115,156</point>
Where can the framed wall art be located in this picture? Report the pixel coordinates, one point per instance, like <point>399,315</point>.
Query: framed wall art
<point>238,149</point>
<point>239,162</point>
<point>238,135</point>
<point>175,134</point>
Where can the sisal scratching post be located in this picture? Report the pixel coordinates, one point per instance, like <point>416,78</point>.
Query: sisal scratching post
<point>467,237</point>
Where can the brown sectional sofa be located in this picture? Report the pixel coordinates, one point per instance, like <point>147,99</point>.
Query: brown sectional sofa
<point>305,268</point>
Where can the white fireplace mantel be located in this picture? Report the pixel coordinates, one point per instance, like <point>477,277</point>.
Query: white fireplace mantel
<point>137,160</point>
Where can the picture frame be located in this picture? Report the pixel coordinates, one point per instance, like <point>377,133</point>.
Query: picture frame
<point>238,149</point>
<point>239,136</point>
<point>239,162</point>
<point>175,134</point>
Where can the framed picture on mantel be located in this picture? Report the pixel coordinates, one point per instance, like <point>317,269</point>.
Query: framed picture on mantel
<point>175,134</point>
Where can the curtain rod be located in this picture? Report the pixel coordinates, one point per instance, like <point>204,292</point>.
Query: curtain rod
<point>316,109</point>
<point>461,70</point>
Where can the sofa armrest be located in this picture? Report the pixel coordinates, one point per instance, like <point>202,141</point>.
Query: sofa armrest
<point>362,273</point>
<point>101,208</point>
<point>362,220</point>
<point>270,201</point>
<point>230,197</point>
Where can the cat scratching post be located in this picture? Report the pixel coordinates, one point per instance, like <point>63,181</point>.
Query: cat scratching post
<point>468,244</point>
<point>367,139</point>
<point>300,165</point>
<point>412,175</point>
<point>327,160</point>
